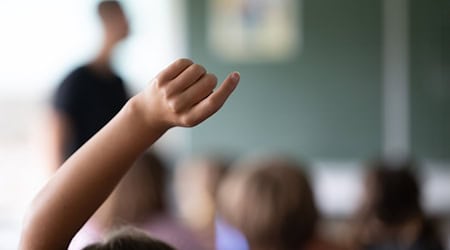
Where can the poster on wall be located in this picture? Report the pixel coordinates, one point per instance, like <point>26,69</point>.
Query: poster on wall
<point>254,30</point>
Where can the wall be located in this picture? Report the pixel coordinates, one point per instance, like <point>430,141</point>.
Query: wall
<point>323,104</point>
<point>430,79</point>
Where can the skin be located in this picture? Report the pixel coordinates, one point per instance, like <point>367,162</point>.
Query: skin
<point>181,95</point>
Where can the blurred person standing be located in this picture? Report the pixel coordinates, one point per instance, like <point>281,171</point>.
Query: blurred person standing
<point>91,94</point>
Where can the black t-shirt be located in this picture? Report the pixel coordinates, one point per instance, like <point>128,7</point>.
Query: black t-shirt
<point>89,101</point>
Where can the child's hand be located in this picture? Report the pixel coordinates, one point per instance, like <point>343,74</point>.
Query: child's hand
<point>183,95</point>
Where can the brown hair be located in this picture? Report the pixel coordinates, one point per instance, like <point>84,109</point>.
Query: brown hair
<point>129,239</point>
<point>395,194</point>
<point>271,203</point>
<point>392,211</point>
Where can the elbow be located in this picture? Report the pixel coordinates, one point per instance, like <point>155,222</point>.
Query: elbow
<point>27,239</point>
<point>36,233</point>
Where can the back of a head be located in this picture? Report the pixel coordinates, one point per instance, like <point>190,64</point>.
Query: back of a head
<point>142,192</point>
<point>130,239</point>
<point>271,202</point>
<point>395,194</point>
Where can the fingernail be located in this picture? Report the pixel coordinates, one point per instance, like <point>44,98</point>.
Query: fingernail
<point>235,76</point>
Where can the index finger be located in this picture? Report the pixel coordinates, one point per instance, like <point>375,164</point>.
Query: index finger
<point>213,102</point>
<point>174,69</point>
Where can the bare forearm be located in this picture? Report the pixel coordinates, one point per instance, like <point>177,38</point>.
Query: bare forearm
<point>86,179</point>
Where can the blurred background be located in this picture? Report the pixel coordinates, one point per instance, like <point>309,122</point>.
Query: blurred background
<point>332,83</point>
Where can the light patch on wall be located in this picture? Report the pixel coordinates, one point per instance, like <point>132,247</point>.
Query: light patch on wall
<point>254,30</point>
<point>41,41</point>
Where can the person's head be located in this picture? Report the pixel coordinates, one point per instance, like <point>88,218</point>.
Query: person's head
<point>271,202</point>
<point>140,194</point>
<point>392,193</point>
<point>129,239</point>
<point>113,19</point>
<point>196,182</point>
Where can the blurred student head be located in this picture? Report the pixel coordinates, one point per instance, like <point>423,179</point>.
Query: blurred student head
<point>271,202</point>
<point>391,214</point>
<point>140,194</point>
<point>113,19</point>
<point>393,193</point>
<point>129,239</point>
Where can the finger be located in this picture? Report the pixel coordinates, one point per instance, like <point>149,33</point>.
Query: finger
<point>174,69</point>
<point>184,80</point>
<point>213,102</point>
<point>197,92</point>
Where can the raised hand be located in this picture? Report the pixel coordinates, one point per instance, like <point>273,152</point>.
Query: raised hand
<point>183,95</point>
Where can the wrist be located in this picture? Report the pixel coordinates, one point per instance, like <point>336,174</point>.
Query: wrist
<point>138,108</point>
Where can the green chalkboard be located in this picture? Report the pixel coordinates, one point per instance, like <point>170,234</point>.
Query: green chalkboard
<point>323,104</point>
<point>430,79</point>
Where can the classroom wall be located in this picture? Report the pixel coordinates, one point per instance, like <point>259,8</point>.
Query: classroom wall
<point>324,104</point>
<point>430,79</point>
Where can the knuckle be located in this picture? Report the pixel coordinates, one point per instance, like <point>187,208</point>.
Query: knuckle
<point>198,68</point>
<point>171,105</point>
<point>174,106</point>
<point>184,61</point>
<point>164,92</point>
<point>211,79</point>
<point>158,84</point>
<point>188,121</point>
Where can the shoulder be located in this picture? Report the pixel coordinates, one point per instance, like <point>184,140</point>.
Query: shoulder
<point>117,77</point>
<point>70,89</point>
<point>75,79</point>
<point>79,74</point>
<point>80,71</point>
